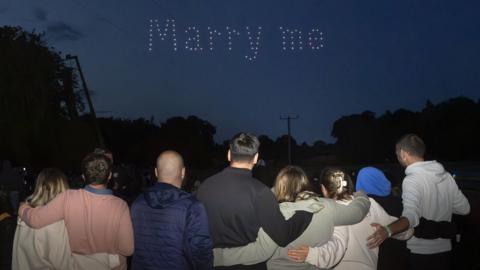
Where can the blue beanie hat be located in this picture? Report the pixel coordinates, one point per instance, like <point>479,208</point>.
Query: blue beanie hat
<point>373,182</point>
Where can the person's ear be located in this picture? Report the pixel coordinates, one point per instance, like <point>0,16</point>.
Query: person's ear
<point>324,191</point>
<point>255,158</point>
<point>403,155</point>
<point>183,173</point>
<point>156,173</point>
<point>229,156</point>
<point>109,176</point>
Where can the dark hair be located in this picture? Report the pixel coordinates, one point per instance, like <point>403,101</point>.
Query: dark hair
<point>96,168</point>
<point>244,147</point>
<point>103,151</point>
<point>412,144</point>
<point>337,182</point>
<point>5,205</point>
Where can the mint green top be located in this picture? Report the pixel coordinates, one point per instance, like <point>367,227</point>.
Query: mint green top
<point>326,215</point>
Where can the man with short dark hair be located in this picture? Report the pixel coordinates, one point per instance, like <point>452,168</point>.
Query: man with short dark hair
<point>170,225</point>
<point>96,221</point>
<point>429,192</point>
<point>120,180</point>
<point>238,205</point>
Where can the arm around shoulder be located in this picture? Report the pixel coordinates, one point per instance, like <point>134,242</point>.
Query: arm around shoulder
<point>42,216</point>
<point>256,252</point>
<point>273,222</point>
<point>352,213</point>
<point>330,254</point>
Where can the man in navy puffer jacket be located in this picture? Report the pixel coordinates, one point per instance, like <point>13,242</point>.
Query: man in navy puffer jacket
<point>170,225</point>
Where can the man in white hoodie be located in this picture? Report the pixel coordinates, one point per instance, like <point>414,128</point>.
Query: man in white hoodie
<point>429,192</point>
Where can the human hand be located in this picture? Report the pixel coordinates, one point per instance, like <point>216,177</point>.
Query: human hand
<point>298,254</point>
<point>377,238</point>
<point>23,205</point>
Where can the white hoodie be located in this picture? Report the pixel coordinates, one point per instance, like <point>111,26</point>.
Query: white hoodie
<point>430,192</point>
<point>348,249</point>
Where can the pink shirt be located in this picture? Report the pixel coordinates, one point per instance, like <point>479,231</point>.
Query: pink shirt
<point>95,223</point>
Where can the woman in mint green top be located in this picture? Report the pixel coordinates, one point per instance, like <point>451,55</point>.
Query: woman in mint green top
<point>294,193</point>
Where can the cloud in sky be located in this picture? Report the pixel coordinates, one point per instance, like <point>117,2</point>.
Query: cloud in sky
<point>40,14</point>
<point>61,31</point>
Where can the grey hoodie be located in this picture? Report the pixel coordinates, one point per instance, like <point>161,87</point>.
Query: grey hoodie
<point>430,192</point>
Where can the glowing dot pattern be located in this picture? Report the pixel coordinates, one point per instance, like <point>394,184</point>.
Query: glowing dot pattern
<point>254,43</point>
<point>192,42</point>
<point>212,34</point>
<point>231,33</point>
<point>291,39</point>
<point>169,26</point>
<point>315,39</point>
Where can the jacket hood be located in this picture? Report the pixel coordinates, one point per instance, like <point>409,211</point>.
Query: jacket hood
<point>432,168</point>
<point>162,195</point>
<point>373,182</point>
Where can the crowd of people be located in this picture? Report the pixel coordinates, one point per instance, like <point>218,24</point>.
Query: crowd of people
<point>234,221</point>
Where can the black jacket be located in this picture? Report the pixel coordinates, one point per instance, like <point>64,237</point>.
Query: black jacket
<point>171,230</point>
<point>238,205</point>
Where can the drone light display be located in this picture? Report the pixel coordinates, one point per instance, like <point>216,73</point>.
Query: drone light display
<point>228,38</point>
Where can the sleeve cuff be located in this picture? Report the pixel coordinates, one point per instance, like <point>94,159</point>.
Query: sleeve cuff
<point>312,256</point>
<point>413,220</point>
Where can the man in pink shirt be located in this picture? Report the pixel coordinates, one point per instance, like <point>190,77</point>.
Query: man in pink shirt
<point>96,221</point>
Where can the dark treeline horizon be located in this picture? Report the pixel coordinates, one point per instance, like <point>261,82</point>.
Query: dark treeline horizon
<point>44,123</point>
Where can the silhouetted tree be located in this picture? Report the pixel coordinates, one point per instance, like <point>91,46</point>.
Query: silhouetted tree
<point>450,130</point>
<point>34,117</point>
<point>192,137</point>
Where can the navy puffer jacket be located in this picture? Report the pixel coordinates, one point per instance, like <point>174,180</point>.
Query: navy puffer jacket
<point>171,230</point>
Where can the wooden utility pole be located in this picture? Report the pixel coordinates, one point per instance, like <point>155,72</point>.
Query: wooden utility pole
<point>288,119</point>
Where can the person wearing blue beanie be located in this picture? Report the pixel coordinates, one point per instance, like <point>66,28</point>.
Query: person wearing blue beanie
<point>373,182</point>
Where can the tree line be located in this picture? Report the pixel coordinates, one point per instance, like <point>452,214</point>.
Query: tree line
<point>44,123</point>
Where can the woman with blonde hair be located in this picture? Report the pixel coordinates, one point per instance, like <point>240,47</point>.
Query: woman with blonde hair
<point>348,248</point>
<point>294,193</point>
<point>48,247</point>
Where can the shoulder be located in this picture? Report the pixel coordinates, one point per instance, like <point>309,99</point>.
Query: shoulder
<point>412,180</point>
<point>70,193</point>
<point>194,204</point>
<point>118,203</point>
<point>139,202</point>
<point>374,205</point>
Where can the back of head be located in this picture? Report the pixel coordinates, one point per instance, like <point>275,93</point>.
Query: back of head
<point>292,184</point>
<point>170,168</point>
<point>104,151</point>
<point>373,182</point>
<point>411,144</point>
<point>50,182</point>
<point>243,148</point>
<point>337,183</point>
<point>96,168</point>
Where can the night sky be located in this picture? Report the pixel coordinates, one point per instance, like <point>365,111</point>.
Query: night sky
<point>377,56</point>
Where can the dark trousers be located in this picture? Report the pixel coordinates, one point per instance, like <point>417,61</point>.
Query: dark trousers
<point>438,261</point>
